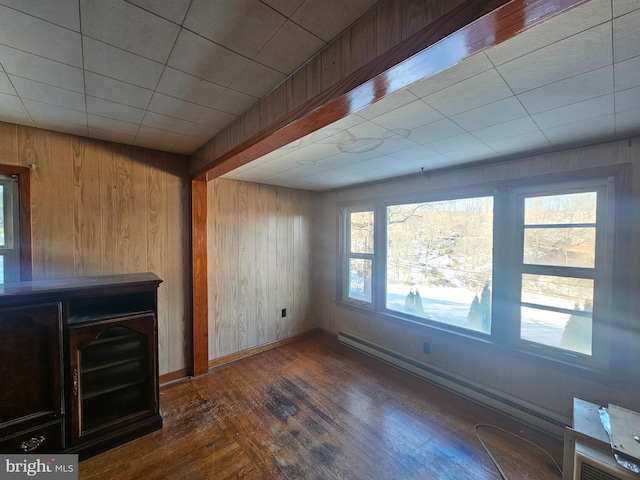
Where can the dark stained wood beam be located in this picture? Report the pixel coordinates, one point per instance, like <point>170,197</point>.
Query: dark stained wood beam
<point>474,26</point>
<point>200,310</point>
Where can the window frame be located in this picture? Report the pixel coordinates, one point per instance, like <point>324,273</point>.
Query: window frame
<point>23,206</point>
<point>10,251</point>
<point>346,255</point>
<point>608,356</point>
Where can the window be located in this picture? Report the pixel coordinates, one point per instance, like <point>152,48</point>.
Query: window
<point>565,271</point>
<point>359,227</point>
<point>439,261</point>
<point>525,267</point>
<point>9,231</point>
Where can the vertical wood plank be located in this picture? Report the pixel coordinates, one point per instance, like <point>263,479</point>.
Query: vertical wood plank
<point>388,25</point>
<point>131,199</point>
<point>87,208</point>
<point>363,40</point>
<point>246,265</point>
<point>110,217</point>
<point>331,64</point>
<point>9,144</point>
<point>262,264</point>
<point>156,248</point>
<point>177,279</point>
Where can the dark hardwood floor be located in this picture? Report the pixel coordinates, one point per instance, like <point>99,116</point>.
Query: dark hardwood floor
<point>315,409</point>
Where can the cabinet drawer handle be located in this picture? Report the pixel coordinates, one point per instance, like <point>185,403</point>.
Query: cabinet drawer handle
<point>74,377</point>
<point>32,443</point>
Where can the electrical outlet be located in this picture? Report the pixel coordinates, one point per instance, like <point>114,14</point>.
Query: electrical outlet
<point>284,312</point>
<point>426,348</point>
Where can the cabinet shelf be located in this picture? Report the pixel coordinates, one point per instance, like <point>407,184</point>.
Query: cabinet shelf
<point>112,364</point>
<point>106,391</point>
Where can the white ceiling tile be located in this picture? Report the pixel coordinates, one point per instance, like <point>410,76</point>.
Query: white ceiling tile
<point>491,114</point>
<point>471,154</point>
<point>5,85</point>
<point>216,118</point>
<point>387,104</point>
<point>129,28</point>
<point>118,111</point>
<point>512,145</point>
<point>117,91</point>
<point>470,67</point>
<point>289,48</point>
<point>11,103</point>
<point>414,154</point>
<point>572,90</point>
<point>234,102</point>
<point>164,122</point>
<point>457,142</point>
<point>562,26</point>
<point>115,63</point>
<point>202,131</point>
<point>257,80</point>
<point>432,132</point>
<point>502,131</point>
<point>47,123</point>
<point>41,92</point>
<point>39,37</point>
<point>173,10</point>
<point>589,130</point>
<point>187,87</point>
<point>482,89</point>
<point>156,138</point>
<point>187,144</point>
<point>61,12</point>
<point>285,7</point>
<point>204,59</point>
<point>620,7</point>
<point>409,116</point>
<point>628,99</point>
<point>626,36</point>
<point>174,107</point>
<point>31,66</point>
<point>110,136</point>
<point>627,73</point>
<point>112,125</point>
<point>578,54</point>
<point>594,107</point>
<point>242,26</point>
<point>328,18</point>
<point>45,111</point>
<point>19,118</point>
<point>627,122</point>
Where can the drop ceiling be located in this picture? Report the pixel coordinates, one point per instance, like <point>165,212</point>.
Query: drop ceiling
<point>171,74</point>
<point>573,80</point>
<point>163,74</point>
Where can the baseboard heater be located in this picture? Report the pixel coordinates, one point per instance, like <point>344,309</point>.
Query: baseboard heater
<point>533,415</point>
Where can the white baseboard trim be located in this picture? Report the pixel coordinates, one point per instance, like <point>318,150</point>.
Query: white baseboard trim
<point>533,415</point>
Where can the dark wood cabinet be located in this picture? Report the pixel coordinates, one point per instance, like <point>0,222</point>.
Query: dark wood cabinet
<point>78,363</point>
<point>31,395</point>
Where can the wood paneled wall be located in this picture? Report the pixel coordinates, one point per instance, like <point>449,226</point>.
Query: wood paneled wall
<point>259,256</point>
<point>100,208</point>
<point>521,377</point>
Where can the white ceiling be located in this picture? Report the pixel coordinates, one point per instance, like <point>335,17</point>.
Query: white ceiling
<point>164,74</point>
<point>170,74</point>
<point>572,80</point>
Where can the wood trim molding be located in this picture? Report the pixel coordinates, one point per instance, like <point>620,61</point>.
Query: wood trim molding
<point>200,290</point>
<point>218,362</point>
<point>466,30</point>
<point>24,192</point>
